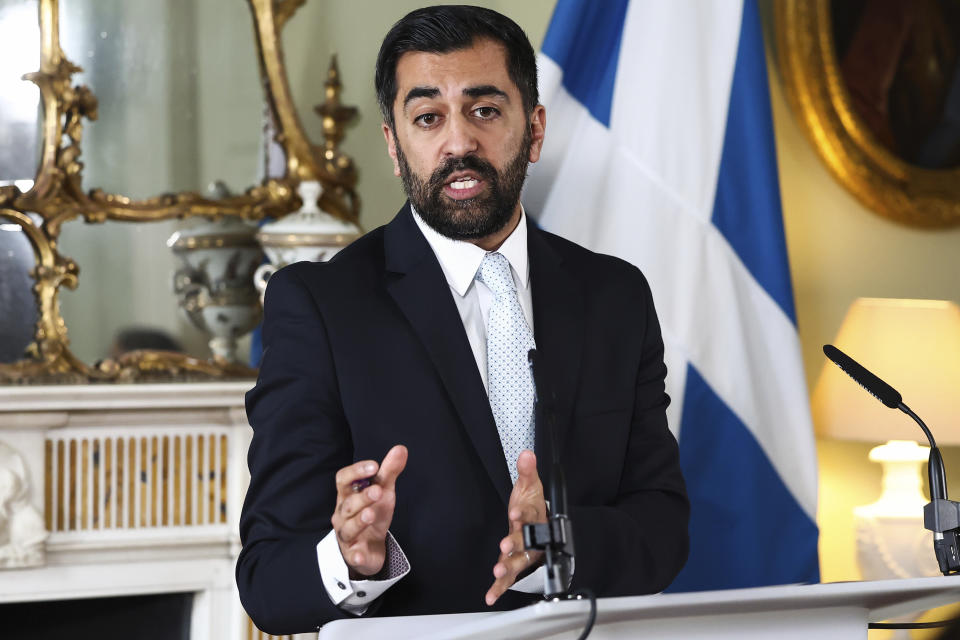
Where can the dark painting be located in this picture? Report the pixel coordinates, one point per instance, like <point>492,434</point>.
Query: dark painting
<point>900,61</point>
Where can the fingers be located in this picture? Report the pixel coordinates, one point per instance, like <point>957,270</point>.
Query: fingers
<point>356,471</point>
<point>512,544</point>
<point>527,505</point>
<point>349,529</point>
<point>373,507</point>
<point>523,513</point>
<point>361,524</point>
<point>513,561</point>
<point>393,463</point>
<point>361,518</point>
<point>354,503</point>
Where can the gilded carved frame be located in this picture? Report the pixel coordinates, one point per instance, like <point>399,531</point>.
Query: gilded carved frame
<point>57,197</point>
<point>816,92</point>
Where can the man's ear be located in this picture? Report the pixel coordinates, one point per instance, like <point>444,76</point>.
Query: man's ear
<point>538,126</point>
<point>391,148</point>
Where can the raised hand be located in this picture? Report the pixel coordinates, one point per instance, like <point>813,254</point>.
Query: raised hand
<point>527,505</point>
<point>361,518</point>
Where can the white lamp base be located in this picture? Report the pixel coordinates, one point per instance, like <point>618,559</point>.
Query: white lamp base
<point>891,540</point>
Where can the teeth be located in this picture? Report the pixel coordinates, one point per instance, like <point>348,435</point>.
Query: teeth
<point>464,184</point>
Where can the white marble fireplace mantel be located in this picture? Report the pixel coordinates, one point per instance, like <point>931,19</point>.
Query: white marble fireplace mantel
<point>125,489</point>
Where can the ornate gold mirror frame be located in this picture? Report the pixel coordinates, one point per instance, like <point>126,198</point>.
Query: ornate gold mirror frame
<point>817,94</point>
<point>57,197</point>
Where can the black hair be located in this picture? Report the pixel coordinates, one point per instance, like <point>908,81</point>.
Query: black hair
<point>447,28</point>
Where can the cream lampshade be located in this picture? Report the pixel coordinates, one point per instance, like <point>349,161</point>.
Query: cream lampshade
<point>914,345</point>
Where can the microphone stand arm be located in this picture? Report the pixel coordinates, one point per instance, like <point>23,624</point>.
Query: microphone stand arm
<point>555,536</point>
<point>940,515</point>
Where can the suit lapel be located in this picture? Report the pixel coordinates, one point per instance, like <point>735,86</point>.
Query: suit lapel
<point>558,318</point>
<point>418,286</point>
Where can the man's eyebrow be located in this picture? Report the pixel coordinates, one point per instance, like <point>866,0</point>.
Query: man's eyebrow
<point>480,91</point>
<point>420,92</point>
<point>485,90</point>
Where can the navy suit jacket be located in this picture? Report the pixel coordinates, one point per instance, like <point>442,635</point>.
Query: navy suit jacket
<point>368,351</point>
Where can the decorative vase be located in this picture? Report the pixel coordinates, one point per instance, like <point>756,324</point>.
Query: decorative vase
<point>214,284</point>
<point>308,234</point>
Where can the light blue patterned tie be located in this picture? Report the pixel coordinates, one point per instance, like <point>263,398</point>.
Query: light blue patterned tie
<point>509,382</point>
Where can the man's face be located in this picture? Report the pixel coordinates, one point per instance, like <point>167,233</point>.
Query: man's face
<point>461,140</point>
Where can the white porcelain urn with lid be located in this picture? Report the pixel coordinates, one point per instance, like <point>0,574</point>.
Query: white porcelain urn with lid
<point>308,234</point>
<point>212,284</point>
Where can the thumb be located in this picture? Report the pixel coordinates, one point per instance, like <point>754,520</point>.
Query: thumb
<point>393,463</point>
<point>527,467</point>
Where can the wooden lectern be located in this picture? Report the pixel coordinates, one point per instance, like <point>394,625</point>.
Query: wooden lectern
<point>839,610</point>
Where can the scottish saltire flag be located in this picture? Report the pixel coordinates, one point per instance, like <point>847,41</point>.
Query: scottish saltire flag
<point>660,150</point>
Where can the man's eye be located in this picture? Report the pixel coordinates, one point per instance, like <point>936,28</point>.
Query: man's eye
<point>426,119</point>
<point>486,112</point>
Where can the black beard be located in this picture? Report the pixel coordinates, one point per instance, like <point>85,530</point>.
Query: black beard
<point>476,217</point>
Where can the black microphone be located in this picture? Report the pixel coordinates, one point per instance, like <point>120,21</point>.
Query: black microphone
<point>892,398</point>
<point>554,537</point>
<point>874,385</point>
<point>942,516</point>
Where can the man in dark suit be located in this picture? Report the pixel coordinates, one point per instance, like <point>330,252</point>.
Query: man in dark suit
<point>393,458</point>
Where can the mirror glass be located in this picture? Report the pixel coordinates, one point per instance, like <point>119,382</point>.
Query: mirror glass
<point>180,101</point>
<point>125,286</point>
<point>900,62</point>
<point>19,98</point>
<point>180,107</point>
<point>18,306</point>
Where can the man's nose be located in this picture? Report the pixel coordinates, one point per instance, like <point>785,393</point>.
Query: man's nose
<point>460,139</point>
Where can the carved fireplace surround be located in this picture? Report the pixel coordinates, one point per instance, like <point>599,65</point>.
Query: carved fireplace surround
<point>116,490</point>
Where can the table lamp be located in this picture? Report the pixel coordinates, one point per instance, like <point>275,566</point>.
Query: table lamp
<point>914,345</point>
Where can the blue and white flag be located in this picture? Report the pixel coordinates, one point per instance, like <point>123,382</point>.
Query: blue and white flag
<point>660,150</point>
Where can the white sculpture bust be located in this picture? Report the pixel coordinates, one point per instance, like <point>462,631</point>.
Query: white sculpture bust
<point>22,531</point>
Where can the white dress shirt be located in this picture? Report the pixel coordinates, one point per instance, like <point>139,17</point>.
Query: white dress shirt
<point>459,261</point>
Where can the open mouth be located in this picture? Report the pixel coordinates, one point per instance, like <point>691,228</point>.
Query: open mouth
<point>467,183</point>
<point>463,185</point>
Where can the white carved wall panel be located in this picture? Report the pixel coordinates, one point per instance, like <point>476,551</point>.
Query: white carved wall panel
<point>135,478</point>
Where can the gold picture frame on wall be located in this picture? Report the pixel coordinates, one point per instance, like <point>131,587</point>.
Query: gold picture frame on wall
<point>862,156</point>
<point>57,196</point>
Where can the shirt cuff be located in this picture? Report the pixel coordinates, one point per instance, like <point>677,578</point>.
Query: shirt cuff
<point>355,596</point>
<point>533,583</point>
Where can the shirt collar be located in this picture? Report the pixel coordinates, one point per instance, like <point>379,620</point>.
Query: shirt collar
<point>460,260</point>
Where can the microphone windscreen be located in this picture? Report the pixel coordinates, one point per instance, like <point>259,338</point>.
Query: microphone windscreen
<point>877,387</point>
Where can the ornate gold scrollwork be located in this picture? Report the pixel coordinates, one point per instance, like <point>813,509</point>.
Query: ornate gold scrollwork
<point>818,96</point>
<point>335,117</point>
<point>305,160</point>
<point>49,356</point>
<point>57,197</point>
